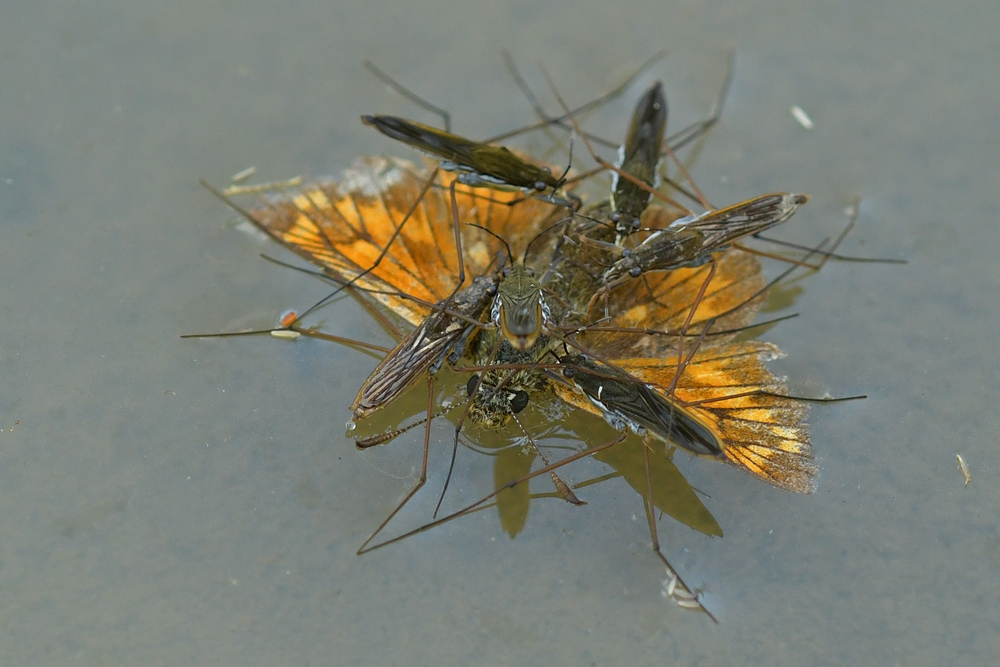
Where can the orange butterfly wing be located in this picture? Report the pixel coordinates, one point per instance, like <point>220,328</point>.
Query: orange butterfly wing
<point>345,226</point>
<point>722,385</point>
<point>722,388</point>
<point>663,300</point>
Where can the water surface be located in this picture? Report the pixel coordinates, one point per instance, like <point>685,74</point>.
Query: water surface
<point>197,502</point>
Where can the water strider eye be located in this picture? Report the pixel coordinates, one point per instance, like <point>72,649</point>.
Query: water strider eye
<point>615,217</point>
<point>569,372</point>
<point>518,401</point>
<point>635,272</point>
<point>472,384</point>
<point>540,186</point>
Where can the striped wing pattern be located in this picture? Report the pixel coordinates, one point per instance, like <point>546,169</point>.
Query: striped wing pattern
<point>344,227</point>
<point>663,301</point>
<point>763,433</point>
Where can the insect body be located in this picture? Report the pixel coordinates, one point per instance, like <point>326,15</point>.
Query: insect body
<point>442,335</point>
<point>478,164</point>
<point>691,241</point>
<point>519,337</point>
<point>628,402</point>
<point>519,308</point>
<point>638,156</point>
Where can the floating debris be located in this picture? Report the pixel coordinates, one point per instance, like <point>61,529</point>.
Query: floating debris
<point>262,187</point>
<point>964,469</point>
<point>802,117</point>
<point>244,175</point>
<point>287,334</point>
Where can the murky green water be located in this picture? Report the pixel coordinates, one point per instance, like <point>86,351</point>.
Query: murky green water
<point>196,502</point>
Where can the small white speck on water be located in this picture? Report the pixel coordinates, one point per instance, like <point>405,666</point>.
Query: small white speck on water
<point>286,334</point>
<point>802,117</point>
<point>244,175</point>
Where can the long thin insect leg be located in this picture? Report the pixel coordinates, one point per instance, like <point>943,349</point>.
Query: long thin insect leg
<point>536,105</point>
<point>682,138</point>
<point>423,471</point>
<point>461,279</point>
<point>348,285</point>
<point>687,323</point>
<point>561,487</point>
<point>825,254</point>
<point>385,250</point>
<point>461,421</point>
<point>408,94</point>
<point>521,480</point>
<point>679,591</point>
<point>604,163</point>
<point>584,107</point>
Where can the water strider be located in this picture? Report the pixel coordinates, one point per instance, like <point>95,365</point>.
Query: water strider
<point>692,240</point>
<point>623,371</point>
<point>478,164</point>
